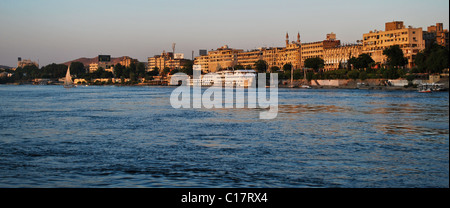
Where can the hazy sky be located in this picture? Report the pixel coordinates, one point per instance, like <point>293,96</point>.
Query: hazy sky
<point>55,31</point>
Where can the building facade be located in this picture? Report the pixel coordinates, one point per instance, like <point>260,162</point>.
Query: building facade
<point>436,34</point>
<point>409,39</point>
<point>226,57</point>
<point>280,56</point>
<point>317,49</point>
<point>338,56</point>
<point>104,62</point>
<point>222,58</point>
<point>127,61</point>
<point>93,67</point>
<point>26,62</point>
<point>165,60</point>
<point>203,62</point>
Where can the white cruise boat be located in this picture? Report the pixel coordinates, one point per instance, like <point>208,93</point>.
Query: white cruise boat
<point>238,78</point>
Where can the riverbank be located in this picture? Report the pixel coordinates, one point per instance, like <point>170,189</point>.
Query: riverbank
<point>368,84</point>
<point>371,84</point>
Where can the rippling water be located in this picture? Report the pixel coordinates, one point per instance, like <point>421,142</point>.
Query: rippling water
<point>131,137</point>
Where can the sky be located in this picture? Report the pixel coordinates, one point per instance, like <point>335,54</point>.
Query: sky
<point>56,31</point>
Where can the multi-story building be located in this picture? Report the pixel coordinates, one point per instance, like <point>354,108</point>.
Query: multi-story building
<point>317,49</point>
<point>248,59</point>
<point>165,60</point>
<point>436,34</point>
<point>203,62</point>
<point>280,56</point>
<point>409,39</point>
<point>26,62</point>
<point>93,67</point>
<point>338,56</point>
<point>104,62</point>
<point>126,61</point>
<point>222,58</point>
<point>226,57</point>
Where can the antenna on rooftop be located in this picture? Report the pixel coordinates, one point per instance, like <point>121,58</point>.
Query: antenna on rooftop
<point>173,48</point>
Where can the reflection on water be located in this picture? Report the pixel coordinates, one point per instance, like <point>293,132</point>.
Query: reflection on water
<point>132,137</point>
<point>306,108</point>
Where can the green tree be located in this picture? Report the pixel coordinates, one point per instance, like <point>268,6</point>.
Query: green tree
<point>274,69</point>
<point>433,59</point>
<point>315,63</point>
<point>395,57</point>
<point>153,72</point>
<point>165,71</point>
<point>363,75</point>
<point>188,67</point>
<point>132,77</point>
<point>298,74</point>
<point>353,61</point>
<point>54,70</point>
<point>140,69</point>
<point>364,61</point>
<point>287,67</point>
<point>309,76</point>
<point>261,66</point>
<point>119,70</point>
<point>239,67</point>
<point>77,69</point>
<point>420,62</point>
<point>353,74</point>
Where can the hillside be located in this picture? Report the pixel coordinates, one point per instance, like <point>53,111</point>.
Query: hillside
<point>5,67</point>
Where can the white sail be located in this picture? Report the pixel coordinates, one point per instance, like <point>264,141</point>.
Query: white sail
<point>68,80</point>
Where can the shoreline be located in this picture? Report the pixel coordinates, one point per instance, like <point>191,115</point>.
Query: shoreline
<point>380,88</point>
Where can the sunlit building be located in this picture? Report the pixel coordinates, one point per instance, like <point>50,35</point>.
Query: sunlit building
<point>280,56</point>
<point>226,57</point>
<point>317,49</point>
<point>436,34</point>
<point>165,60</point>
<point>408,38</point>
<point>338,56</point>
<point>26,62</point>
<point>126,61</point>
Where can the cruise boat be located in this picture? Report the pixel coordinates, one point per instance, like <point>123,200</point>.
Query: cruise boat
<point>238,78</point>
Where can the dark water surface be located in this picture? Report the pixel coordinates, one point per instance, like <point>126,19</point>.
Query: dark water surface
<point>131,137</point>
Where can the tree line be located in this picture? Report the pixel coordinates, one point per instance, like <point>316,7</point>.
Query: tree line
<point>133,72</point>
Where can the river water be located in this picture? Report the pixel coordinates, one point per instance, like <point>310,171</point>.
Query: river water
<point>108,136</point>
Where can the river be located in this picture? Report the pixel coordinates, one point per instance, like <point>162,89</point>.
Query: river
<point>109,136</point>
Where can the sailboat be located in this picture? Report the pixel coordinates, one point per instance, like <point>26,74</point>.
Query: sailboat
<point>68,83</point>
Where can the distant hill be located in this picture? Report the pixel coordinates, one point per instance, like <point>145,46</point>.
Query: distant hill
<point>87,61</point>
<point>5,67</point>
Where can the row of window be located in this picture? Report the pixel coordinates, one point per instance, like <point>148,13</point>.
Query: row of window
<point>389,35</point>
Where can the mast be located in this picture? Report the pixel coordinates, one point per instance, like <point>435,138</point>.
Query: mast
<point>292,76</point>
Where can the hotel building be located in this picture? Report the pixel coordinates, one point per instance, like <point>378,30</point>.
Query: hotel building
<point>226,57</point>
<point>126,61</point>
<point>291,54</point>
<point>26,62</point>
<point>317,49</point>
<point>409,39</point>
<point>165,60</point>
<point>436,34</point>
<point>338,56</point>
